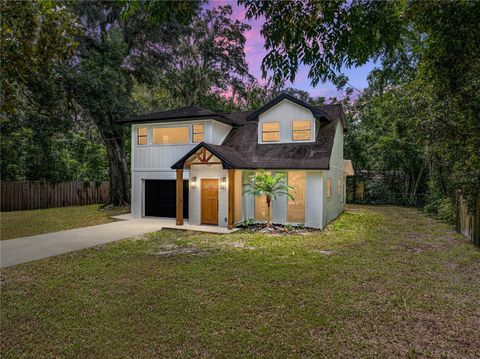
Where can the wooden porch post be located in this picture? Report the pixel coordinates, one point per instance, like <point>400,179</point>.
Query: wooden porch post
<point>179,196</point>
<point>231,197</point>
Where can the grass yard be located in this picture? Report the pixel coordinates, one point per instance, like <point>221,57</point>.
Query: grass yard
<point>29,223</point>
<point>379,282</point>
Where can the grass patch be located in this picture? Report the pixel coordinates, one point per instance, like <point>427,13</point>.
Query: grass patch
<point>29,223</point>
<point>395,283</point>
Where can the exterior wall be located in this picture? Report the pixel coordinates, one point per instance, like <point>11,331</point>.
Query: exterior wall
<point>150,156</point>
<point>154,161</point>
<point>334,205</point>
<point>313,203</point>
<point>194,201</point>
<point>284,113</point>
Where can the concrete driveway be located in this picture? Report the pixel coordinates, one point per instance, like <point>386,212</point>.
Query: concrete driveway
<point>27,249</point>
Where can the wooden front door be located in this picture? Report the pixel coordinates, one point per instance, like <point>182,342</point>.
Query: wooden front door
<point>209,201</point>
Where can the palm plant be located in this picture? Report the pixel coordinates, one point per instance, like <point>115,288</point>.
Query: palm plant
<point>264,184</point>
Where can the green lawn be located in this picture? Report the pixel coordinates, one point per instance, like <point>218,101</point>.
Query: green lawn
<point>398,284</point>
<point>29,223</point>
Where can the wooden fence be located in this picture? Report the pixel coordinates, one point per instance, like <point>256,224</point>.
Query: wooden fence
<point>469,224</point>
<point>20,196</point>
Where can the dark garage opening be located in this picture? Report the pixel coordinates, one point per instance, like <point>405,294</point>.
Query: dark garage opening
<point>160,198</point>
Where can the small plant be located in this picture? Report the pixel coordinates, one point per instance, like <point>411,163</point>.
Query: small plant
<point>247,222</point>
<point>301,226</point>
<point>288,227</point>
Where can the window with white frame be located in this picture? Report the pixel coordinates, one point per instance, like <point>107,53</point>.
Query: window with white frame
<point>296,206</point>
<point>261,208</point>
<point>197,132</point>
<point>329,187</point>
<point>270,132</point>
<point>170,135</point>
<point>301,130</point>
<point>142,136</point>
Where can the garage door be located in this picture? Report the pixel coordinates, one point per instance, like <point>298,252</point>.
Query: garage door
<point>160,198</point>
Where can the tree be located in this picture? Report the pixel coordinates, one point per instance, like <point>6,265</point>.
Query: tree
<point>434,44</point>
<point>101,80</point>
<point>268,186</point>
<point>206,58</point>
<point>36,39</point>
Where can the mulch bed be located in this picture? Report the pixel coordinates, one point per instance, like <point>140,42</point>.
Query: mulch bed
<point>278,229</point>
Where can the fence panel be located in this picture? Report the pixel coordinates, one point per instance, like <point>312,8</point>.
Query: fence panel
<point>469,224</point>
<point>21,196</point>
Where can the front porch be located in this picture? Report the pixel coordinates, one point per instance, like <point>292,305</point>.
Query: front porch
<point>212,189</point>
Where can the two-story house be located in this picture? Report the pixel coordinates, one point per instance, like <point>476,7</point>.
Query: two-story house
<point>191,163</point>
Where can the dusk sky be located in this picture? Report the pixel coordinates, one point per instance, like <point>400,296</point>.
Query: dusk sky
<point>255,53</point>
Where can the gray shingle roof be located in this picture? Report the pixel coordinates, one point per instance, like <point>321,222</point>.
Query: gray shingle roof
<point>242,150</point>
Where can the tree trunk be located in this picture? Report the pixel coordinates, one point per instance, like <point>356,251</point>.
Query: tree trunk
<point>119,174</point>
<point>268,212</point>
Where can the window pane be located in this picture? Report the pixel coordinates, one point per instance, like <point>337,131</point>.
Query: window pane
<point>301,135</point>
<point>197,137</point>
<point>301,130</point>
<point>198,128</point>
<point>301,125</point>
<point>142,136</point>
<point>339,186</point>
<point>296,207</point>
<point>329,187</point>
<point>271,132</point>
<point>271,136</point>
<point>173,135</point>
<point>271,127</point>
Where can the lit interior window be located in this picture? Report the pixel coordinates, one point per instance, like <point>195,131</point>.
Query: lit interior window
<point>170,135</point>
<point>271,132</point>
<point>197,134</point>
<point>339,186</point>
<point>296,207</point>
<point>329,187</point>
<point>142,137</point>
<point>261,207</point>
<point>302,130</point>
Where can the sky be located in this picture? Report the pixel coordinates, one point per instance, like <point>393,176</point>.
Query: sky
<point>255,53</point>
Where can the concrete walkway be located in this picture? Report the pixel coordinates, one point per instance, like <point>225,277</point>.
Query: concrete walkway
<point>27,249</point>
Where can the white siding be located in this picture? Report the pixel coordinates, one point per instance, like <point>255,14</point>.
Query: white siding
<point>334,205</point>
<point>285,113</point>
<point>137,205</point>
<point>313,207</point>
<point>162,157</point>
<point>154,161</point>
<point>219,132</point>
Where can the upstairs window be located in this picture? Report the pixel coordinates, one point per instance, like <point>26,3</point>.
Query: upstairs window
<point>271,132</point>
<point>170,135</point>
<point>339,186</point>
<point>142,136</point>
<point>197,133</point>
<point>302,130</point>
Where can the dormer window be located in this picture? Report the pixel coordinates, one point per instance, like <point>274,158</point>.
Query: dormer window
<point>197,133</point>
<point>302,130</point>
<point>142,136</point>
<point>271,132</point>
